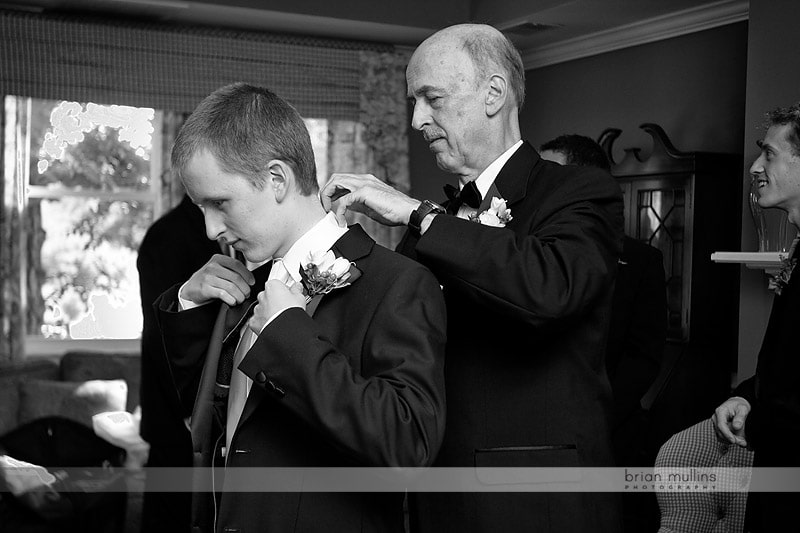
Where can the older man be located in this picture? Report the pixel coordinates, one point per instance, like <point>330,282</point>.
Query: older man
<point>528,290</point>
<point>764,412</point>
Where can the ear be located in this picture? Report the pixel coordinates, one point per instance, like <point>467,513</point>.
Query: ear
<point>496,94</point>
<point>280,179</point>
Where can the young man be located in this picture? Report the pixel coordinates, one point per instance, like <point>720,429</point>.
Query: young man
<point>764,412</point>
<point>349,378</point>
<point>528,295</point>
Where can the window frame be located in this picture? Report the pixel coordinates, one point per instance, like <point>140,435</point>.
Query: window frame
<point>40,346</point>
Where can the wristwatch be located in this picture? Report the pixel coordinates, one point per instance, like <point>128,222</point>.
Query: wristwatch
<point>418,215</point>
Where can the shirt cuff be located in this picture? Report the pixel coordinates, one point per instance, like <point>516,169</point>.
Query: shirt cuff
<point>185,304</point>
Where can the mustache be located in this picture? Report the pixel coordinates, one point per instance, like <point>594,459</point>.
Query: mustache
<point>432,134</point>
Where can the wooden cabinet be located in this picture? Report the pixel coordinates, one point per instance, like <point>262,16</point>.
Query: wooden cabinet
<point>688,205</point>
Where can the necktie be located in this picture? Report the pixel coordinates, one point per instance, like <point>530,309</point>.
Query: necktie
<point>239,387</point>
<point>469,195</point>
<point>236,315</point>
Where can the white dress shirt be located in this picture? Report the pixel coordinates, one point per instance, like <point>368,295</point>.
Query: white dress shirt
<point>287,269</point>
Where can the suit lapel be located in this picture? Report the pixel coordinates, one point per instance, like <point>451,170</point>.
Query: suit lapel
<point>237,314</point>
<point>486,203</point>
<point>353,245</point>
<point>509,183</point>
<point>205,407</point>
<point>229,320</point>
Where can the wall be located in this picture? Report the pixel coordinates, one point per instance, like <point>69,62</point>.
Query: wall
<point>680,84</point>
<point>773,80</point>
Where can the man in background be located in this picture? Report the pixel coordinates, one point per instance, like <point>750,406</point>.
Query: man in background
<point>638,329</point>
<point>528,291</point>
<point>764,412</point>
<point>636,337</point>
<point>173,248</point>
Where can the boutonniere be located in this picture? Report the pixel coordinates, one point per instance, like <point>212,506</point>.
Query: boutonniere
<point>498,215</point>
<point>324,272</point>
<point>778,281</point>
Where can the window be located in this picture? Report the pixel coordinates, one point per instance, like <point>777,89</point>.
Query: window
<point>89,184</point>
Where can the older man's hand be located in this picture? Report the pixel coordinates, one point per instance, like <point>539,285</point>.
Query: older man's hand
<point>364,193</point>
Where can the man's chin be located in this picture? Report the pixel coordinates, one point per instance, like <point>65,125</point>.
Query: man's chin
<point>765,202</point>
<point>255,258</point>
<point>444,163</point>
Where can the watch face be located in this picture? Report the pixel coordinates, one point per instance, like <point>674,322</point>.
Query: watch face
<point>434,206</point>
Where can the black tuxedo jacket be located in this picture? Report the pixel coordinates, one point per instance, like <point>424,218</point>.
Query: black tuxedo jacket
<point>528,313</point>
<point>359,384</point>
<point>772,427</point>
<point>173,248</point>
<point>638,329</point>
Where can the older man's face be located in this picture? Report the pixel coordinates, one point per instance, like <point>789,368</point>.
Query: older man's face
<point>448,107</point>
<point>777,172</point>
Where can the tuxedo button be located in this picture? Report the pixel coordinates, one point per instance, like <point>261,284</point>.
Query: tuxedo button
<point>261,378</point>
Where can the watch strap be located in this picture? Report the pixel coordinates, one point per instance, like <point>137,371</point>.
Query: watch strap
<point>418,215</point>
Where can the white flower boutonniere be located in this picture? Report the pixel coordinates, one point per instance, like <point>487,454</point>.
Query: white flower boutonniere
<point>324,272</point>
<point>498,215</point>
<point>778,281</point>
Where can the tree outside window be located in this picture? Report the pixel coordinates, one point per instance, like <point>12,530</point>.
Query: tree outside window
<point>91,190</point>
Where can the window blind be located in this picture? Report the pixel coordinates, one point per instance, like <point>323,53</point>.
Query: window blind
<point>173,67</point>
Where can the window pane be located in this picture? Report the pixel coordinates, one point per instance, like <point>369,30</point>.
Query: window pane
<point>88,280</point>
<point>89,146</point>
<point>89,193</point>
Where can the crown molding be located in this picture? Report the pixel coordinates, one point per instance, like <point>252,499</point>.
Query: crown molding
<point>647,31</point>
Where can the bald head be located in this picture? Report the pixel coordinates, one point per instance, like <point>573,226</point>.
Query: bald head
<point>489,50</point>
<point>466,84</point>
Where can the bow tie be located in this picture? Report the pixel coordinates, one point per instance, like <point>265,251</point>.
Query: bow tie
<point>469,195</point>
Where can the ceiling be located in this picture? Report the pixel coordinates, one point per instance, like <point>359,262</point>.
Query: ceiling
<point>545,31</point>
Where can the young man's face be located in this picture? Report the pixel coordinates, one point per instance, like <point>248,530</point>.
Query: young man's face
<point>777,172</point>
<point>236,212</point>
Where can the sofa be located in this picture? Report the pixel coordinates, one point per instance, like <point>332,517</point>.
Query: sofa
<point>74,387</point>
<point>44,387</point>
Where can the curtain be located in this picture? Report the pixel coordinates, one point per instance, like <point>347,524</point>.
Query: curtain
<point>172,190</point>
<point>12,259</point>
<point>378,142</point>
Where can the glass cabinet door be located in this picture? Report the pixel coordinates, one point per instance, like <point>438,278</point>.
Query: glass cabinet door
<point>657,213</point>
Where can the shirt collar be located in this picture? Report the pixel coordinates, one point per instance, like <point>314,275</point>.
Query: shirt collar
<point>487,177</point>
<point>321,236</point>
